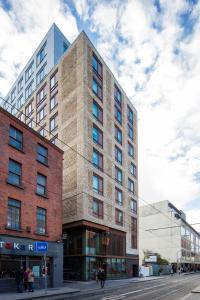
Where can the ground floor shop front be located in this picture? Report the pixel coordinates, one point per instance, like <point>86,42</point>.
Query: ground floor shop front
<point>88,248</point>
<point>22,253</point>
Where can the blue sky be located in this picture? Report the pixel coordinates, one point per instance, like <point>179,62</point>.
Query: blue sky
<point>153,49</point>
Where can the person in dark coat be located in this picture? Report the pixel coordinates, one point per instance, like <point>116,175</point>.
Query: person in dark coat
<point>102,277</point>
<point>19,280</point>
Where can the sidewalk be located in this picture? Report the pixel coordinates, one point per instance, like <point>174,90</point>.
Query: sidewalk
<point>196,290</point>
<point>75,287</point>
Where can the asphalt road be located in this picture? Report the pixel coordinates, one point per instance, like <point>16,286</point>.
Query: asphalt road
<point>170,288</point>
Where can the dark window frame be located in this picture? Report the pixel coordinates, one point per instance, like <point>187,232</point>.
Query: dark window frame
<point>98,190</point>
<point>99,70</point>
<point>17,206</point>
<point>40,156</point>
<point>118,150</point>
<point>99,92</point>
<point>118,171</point>
<point>117,190</point>
<point>117,129</point>
<point>100,213</point>
<point>99,109</point>
<point>13,140</point>
<point>100,133</point>
<point>117,221</point>
<point>40,209</point>
<point>39,185</point>
<point>12,174</point>
<point>99,166</point>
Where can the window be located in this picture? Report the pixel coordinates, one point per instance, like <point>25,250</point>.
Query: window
<point>65,47</point>
<point>97,184</point>
<point>42,131</point>
<point>97,65</point>
<point>130,150</point>
<point>133,233</point>
<point>97,112</point>
<point>19,102</point>
<point>13,110</point>
<point>14,173</point>
<point>29,90</point>
<point>97,88</point>
<point>118,114</point>
<point>130,131</point>
<point>41,94</point>
<point>118,175</point>
<point>131,185</point>
<point>42,154</point>
<point>41,74</point>
<point>41,184</point>
<point>15,138</point>
<point>97,159</point>
<point>41,54</point>
<point>130,115</point>
<point>41,114</point>
<point>97,208</point>
<point>133,205</point>
<point>118,155</point>
<point>41,220</point>
<point>20,84</point>
<point>13,94</point>
<point>53,81</point>
<point>118,134</point>
<point>30,123</point>
<point>21,117</point>
<point>29,109</point>
<point>54,139</point>
<point>133,170</point>
<point>97,135</point>
<point>53,123</point>
<point>13,217</point>
<point>29,71</point>
<point>53,101</point>
<point>118,196</point>
<point>118,96</point>
<point>119,217</point>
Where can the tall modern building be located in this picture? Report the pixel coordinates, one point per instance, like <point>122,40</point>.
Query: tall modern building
<point>80,106</point>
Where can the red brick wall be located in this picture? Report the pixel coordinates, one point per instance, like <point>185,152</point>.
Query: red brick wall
<point>30,166</point>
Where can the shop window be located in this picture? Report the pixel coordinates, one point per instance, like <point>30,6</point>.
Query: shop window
<point>15,138</point>
<point>41,221</point>
<point>119,217</point>
<point>41,184</point>
<point>14,173</point>
<point>97,208</point>
<point>13,217</point>
<point>42,154</point>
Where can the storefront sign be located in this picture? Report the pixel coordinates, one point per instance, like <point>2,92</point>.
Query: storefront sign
<point>41,246</point>
<point>32,247</point>
<point>151,258</point>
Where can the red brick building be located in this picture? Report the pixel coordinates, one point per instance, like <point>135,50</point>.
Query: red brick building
<point>31,202</point>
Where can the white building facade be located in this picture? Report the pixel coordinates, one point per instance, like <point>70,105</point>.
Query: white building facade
<point>164,230</point>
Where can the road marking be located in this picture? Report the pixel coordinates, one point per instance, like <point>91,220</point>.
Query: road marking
<point>167,294</point>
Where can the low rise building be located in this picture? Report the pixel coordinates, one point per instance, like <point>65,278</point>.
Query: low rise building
<point>31,204</point>
<point>164,230</point>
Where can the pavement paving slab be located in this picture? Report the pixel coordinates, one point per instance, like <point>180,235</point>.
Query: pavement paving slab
<point>196,290</point>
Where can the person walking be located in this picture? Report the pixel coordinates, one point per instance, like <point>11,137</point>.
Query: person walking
<point>102,277</point>
<point>19,280</point>
<point>26,280</point>
<point>30,281</point>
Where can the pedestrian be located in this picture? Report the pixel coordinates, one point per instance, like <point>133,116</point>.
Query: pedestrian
<point>19,280</point>
<point>96,276</point>
<point>172,272</point>
<point>26,280</point>
<point>102,277</point>
<point>30,281</point>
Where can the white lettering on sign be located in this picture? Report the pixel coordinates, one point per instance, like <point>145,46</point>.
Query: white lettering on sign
<point>30,247</point>
<point>1,244</point>
<point>16,246</point>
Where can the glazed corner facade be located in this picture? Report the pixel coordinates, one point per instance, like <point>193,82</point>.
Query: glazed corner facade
<point>74,127</point>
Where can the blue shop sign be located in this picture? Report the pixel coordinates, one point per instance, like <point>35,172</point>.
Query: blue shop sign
<point>40,247</point>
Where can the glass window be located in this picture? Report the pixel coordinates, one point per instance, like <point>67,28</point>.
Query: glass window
<point>29,109</point>
<point>130,131</point>
<point>65,47</point>
<point>130,115</point>
<point>41,74</point>
<point>118,96</point>
<point>41,114</point>
<point>30,123</point>
<point>97,135</point>
<point>13,94</point>
<point>41,54</point>
<point>118,134</point>
<point>29,90</point>
<point>97,112</point>
<point>131,185</point>
<point>54,139</point>
<point>20,84</point>
<point>118,114</point>
<point>53,123</point>
<point>21,117</point>
<point>41,94</point>
<point>42,131</point>
<point>29,71</point>
<point>14,173</point>
<point>133,233</point>
<point>97,65</point>
<point>19,102</point>
<point>15,138</point>
<point>13,217</point>
<point>133,205</point>
<point>133,170</point>
<point>97,208</point>
<point>97,184</point>
<point>118,155</point>
<point>118,217</point>
<point>41,220</point>
<point>118,196</point>
<point>41,184</point>
<point>53,101</point>
<point>97,159</point>
<point>53,81</point>
<point>118,175</point>
<point>130,150</point>
<point>42,154</point>
<point>97,88</point>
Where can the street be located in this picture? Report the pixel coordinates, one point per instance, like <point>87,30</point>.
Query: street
<point>170,288</point>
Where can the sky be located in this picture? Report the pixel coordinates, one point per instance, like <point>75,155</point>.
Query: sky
<point>153,49</point>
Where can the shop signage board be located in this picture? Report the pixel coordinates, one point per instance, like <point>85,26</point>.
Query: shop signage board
<point>151,258</point>
<point>41,247</point>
